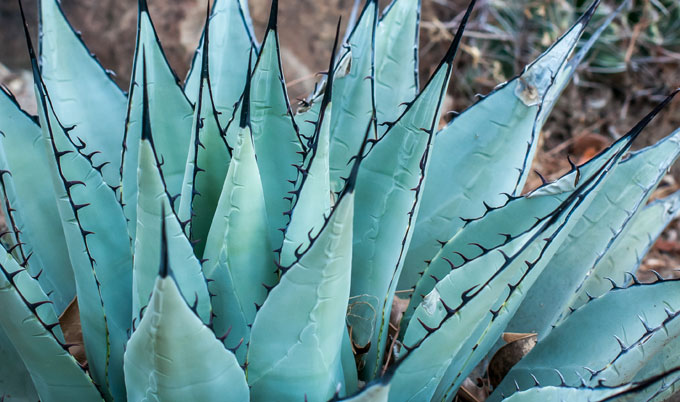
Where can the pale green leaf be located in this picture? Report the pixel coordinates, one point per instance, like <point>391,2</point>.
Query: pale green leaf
<point>296,339</point>
<point>207,163</point>
<point>83,93</point>
<point>277,144</point>
<point>612,209</point>
<point>36,201</point>
<point>239,257</point>
<point>230,43</point>
<point>499,133</point>
<point>171,116</point>
<point>353,96</point>
<point>56,374</point>
<point>173,356</point>
<point>624,329</point>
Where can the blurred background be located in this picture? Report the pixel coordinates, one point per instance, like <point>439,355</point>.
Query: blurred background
<point>633,66</point>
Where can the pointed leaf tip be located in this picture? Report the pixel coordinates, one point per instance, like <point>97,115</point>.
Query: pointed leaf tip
<point>143,6</point>
<point>331,71</point>
<point>205,70</point>
<point>453,49</point>
<point>273,16</point>
<point>245,106</point>
<point>164,266</point>
<point>29,42</point>
<point>146,119</point>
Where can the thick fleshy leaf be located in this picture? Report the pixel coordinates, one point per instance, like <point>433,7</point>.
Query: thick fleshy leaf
<point>396,59</point>
<point>84,95</point>
<point>516,215</point>
<point>664,361</point>
<point>239,257</point>
<point>465,314</point>
<point>392,172</point>
<point>55,373</point>
<point>612,209</point>
<point>624,328</point>
<point>230,42</point>
<point>36,201</point>
<point>644,390</point>
<point>68,166</point>
<point>312,202</point>
<point>15,380</point>
<point>376,392</point>
<point>153,205</point>
<point>498,133</point>
<point>170,112</point>
<point>277,144</point>
<point>173,356</point>
<point>353,96</point>
<point>295,353</point>
<point>625,255</point>
<point>207,163</point>
<point>96,236</point>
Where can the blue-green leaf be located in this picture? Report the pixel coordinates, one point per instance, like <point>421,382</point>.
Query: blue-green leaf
<point>499,133</point>
<point>295,353</point>
<point>624,328</point>
<point>154,205</point>
<point>171,115</point>
<point>56,374</point>
<point>173,356</point>
<point>230,43</point>
<point>392,172</point>
<point>461,319</point>
<point>277,144</point>
<point>396,59</point>
<point>68,166</point>
<point>312,202</point>
<point>238,253</point>
<point>207,163</point>
<point>625,254</point>
<point>83,93</point>
<point>15,380</point>
<point>353,96</point>
<point>36,201</point>
<point>611,211</point>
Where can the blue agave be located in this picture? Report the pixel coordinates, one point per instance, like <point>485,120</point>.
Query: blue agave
<point>223,248</point>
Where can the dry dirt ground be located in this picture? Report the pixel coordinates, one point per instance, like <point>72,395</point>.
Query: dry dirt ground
<point>591,114</point>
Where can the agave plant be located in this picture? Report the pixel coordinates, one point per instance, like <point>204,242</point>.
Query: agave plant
<point>221,247</point>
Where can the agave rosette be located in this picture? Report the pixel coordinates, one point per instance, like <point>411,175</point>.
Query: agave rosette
<point>222,247</point>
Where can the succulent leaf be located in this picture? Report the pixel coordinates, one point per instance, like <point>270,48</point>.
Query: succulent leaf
<point>230,42</point>
<point>295,352</point>
<point>499,132</point>
<point>312,202</point>
<point>239,258</point>
<point>170,112</point>
<point>275,134</point>
<point>15,380</point>
<point>353,96</point>
<point>55,373</point>
<point>650,322</point>
<point>480,305</point>
<point>166,359</point>
<point>611,211</point>
<point>625,254</point>
<point>36,201</point>
<point>188,273</point>
<point>396,59</point>
<point>207,162</point>
<point>393,171</point>
<point>84,94</point>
